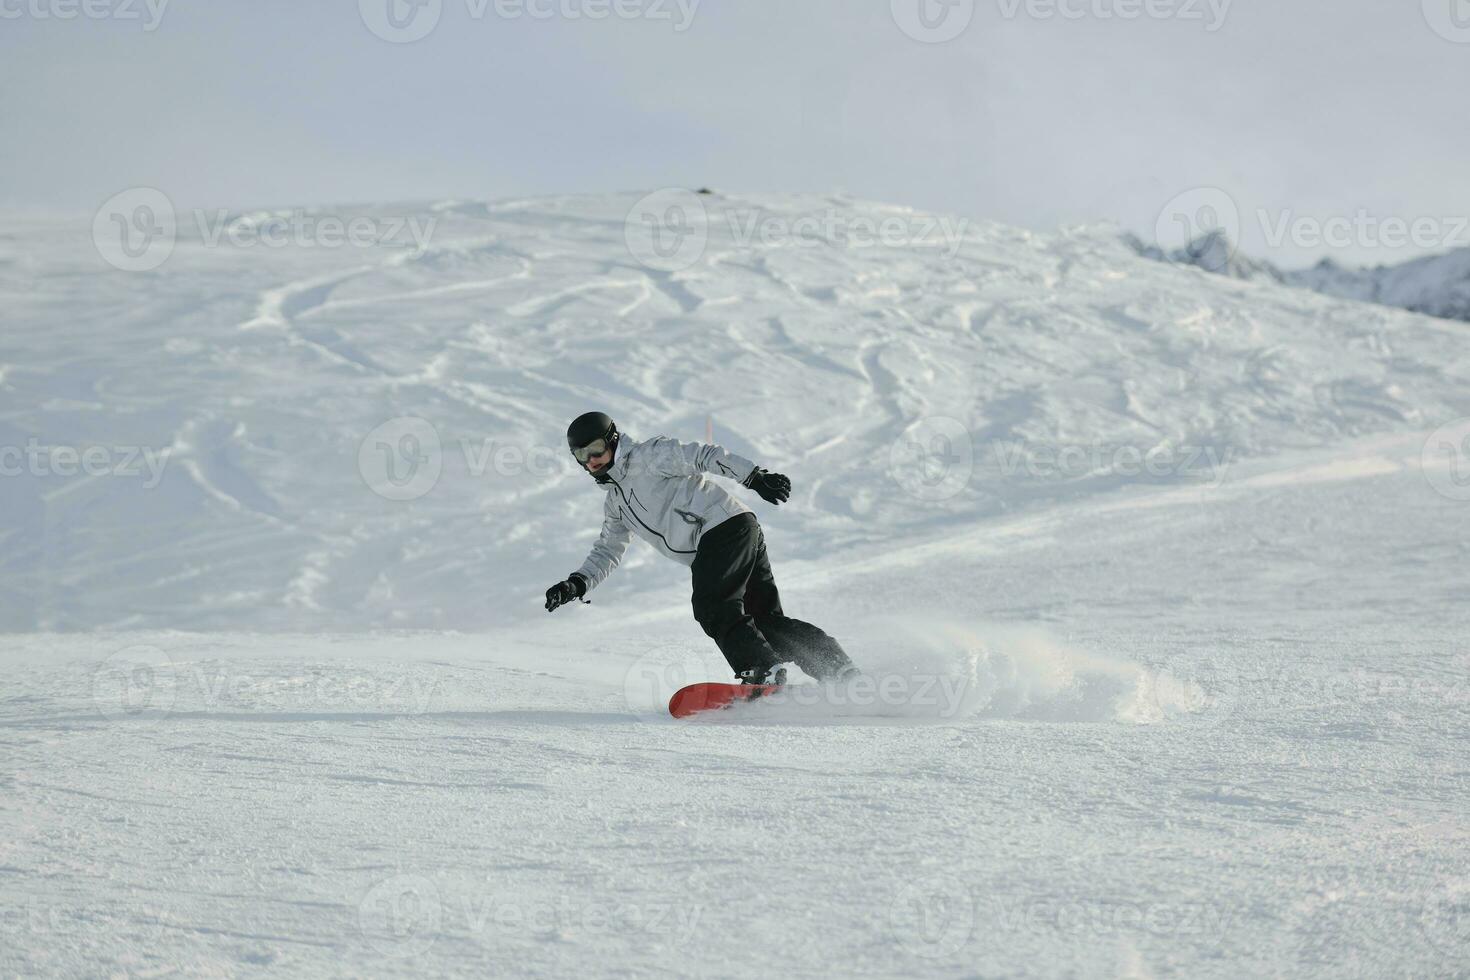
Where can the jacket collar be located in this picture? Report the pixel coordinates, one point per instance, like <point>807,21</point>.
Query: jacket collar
<point>619,468</point>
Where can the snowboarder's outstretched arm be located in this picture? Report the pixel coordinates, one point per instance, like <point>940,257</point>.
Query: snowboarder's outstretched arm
<point>673,458</point>
<point>608,550</point>
<point>607,553</point>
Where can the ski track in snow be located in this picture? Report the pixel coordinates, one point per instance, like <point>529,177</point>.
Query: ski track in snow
<point>1202,722</point>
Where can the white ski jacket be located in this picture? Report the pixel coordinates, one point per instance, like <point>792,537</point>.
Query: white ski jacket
<point>658,490</point>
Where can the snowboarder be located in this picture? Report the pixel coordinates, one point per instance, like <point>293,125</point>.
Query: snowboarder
<point>657,489</point>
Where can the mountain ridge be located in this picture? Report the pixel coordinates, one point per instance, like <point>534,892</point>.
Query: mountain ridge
<point>1434,285</point>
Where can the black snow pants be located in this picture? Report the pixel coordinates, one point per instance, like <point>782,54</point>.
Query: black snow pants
<point>736,602</point>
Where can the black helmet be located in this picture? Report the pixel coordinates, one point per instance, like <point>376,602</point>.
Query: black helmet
<point>588,429</point>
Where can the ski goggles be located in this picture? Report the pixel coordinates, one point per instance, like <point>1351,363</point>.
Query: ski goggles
<point>594,448</point>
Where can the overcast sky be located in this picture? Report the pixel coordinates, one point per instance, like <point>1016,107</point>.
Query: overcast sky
<point>1037,112</point>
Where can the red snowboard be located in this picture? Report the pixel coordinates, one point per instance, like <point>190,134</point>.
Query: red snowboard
<point>710,697</point>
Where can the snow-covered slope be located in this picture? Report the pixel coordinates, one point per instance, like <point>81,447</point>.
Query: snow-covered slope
<point>1435,285</point>
<point>266,382</point>
<point>1155,576</point>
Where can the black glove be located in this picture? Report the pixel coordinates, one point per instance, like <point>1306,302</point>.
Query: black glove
<point>773,487</point>
<point>561,593</point>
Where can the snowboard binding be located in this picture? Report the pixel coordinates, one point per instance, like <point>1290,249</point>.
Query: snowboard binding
<point>774,676</point>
